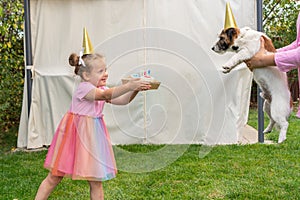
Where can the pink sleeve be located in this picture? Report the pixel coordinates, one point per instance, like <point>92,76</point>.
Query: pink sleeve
<point>83,89</point>
<point>287,60</point>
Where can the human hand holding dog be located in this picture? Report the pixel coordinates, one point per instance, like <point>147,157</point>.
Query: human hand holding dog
<point>262,58</point>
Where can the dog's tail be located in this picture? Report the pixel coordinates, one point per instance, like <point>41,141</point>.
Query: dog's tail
<point>268,44</point>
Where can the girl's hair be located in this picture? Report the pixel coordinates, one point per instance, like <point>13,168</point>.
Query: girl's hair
<point>88,60</point>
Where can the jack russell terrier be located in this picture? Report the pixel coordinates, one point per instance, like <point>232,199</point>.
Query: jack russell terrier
<point>245,42</point>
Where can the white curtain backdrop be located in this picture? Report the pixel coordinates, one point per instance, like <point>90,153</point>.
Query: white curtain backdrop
<point>195,103</point>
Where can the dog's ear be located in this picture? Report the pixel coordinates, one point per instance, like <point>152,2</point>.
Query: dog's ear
<point>222,33</point>
<point>231,33</point>
<point>269,44</point>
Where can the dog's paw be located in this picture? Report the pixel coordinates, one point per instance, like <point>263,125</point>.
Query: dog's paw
<point>269,127</point>
<point>226,69</point>
<point>281,139</point>
<point>267,130</point>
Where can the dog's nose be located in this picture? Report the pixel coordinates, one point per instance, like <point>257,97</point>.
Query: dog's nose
<point>235,48</point>
<point>213,48</point>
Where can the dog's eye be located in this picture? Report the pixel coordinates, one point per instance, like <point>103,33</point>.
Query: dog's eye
<point>222,38</point>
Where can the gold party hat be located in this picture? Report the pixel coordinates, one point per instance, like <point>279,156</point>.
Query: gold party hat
<point>87,45</point>
<point>229,18</point>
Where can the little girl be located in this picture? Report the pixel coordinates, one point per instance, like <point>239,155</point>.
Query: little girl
<point>81,147</point>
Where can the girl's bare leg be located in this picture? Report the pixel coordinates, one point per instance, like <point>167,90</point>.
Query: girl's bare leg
<point>47,186</point>
<point>96,190</point>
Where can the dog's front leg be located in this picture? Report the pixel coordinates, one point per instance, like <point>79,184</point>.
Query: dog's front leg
<point>238,58</point>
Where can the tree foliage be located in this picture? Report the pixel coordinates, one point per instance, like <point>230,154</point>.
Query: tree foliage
<point>11,63</point>
<point>279,20</point>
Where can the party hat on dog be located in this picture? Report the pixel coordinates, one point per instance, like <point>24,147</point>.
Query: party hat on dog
<point>87,45</point>
<point>229,18</point>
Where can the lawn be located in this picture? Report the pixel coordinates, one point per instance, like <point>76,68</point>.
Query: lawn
<point>258,171</point>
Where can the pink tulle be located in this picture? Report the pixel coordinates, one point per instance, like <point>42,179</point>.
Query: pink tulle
<point>81,149</point>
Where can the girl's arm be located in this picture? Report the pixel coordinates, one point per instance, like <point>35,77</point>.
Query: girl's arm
<point>125,98</point>
<point>112,93</point>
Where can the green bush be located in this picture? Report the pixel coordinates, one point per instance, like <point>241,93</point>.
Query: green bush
<point>11,64</point>
<point>279,21</point>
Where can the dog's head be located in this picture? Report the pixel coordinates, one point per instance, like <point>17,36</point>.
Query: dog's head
<point>226,41</point>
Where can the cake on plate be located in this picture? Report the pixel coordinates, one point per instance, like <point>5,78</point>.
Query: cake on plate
<point>145,75</point>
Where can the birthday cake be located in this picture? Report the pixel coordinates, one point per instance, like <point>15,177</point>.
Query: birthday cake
<point>145,75</point>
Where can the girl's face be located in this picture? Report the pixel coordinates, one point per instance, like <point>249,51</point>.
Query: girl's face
<point>98,74</point>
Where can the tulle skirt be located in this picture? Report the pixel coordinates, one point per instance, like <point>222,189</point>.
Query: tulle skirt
<point>81,149</point>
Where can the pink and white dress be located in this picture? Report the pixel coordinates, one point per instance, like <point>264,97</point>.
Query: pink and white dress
<point>81,147</point>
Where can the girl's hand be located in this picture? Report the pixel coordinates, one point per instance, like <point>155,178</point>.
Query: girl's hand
<point>136,84</point>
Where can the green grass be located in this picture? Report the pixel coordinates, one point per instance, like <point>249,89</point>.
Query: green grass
<point>257,171</point>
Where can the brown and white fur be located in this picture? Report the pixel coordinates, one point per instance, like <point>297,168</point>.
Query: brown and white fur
<point>273,83</point>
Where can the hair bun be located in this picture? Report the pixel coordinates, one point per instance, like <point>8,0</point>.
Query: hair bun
<point>74,59</point>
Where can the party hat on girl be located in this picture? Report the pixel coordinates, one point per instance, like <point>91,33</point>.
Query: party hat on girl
<point>229,18</point>
<point>87,45</point>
